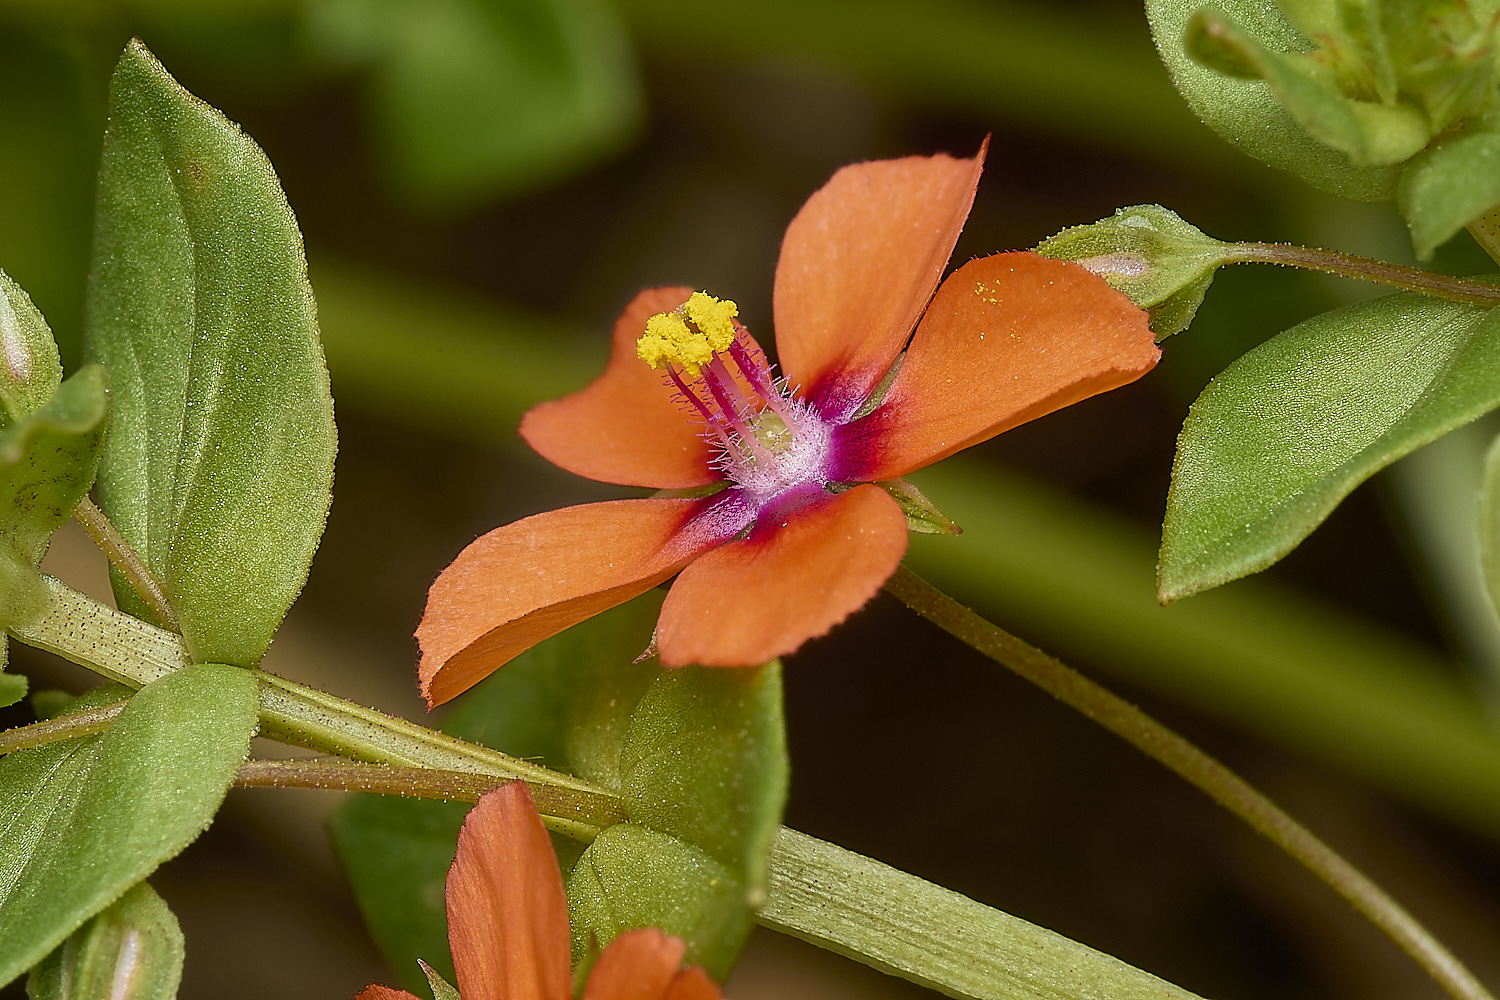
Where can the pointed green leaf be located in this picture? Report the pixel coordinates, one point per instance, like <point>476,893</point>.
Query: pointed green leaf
<point>85,820</point>
<point>1449,186</point>
<point>219,462</point>
<point>922,515</point>
<point>1286,432</point>
<point>441,988</point>
<point>133,950</point>
<point>1246,112</point>
<point>47,463</point>
<point>29,369</point>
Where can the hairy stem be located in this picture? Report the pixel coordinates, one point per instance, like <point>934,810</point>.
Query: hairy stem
<point>133,652</point>
<point>1411,279</point>
<point>1223,785</point>
<point>89,722</point>
<point>129,563</point>
<point>584,813</point>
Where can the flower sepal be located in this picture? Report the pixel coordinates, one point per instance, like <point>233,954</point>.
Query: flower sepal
<point>922,515</point>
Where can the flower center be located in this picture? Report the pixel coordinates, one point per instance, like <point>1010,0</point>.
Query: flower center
<point>769,441</point>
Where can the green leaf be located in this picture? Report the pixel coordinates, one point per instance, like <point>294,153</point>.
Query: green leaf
<point>29,369</point>
<point>482,98</point>
<point>633,876</point>
<point>219,464</point>
<point>47,463</point>
<point>396,853</point>
<point>12,686</point>
<point>1369,133</point>
<point>1247,112</point>
<point>1449,186</point>
<point>922,515</point>
<point>1286,432</point>
<point>85,820</point>
<point>698,754</point>
<point>1150,253</point>
<point>133,950</point>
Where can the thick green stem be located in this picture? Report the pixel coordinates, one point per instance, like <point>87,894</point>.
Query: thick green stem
<point>1346,265</point>
<point>123,556</point>
<point>1223,785</point>
<point>132,652</point>
<point>89,722</point>
<point>568,811</point>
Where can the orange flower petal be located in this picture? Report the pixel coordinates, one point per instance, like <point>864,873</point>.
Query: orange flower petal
<point>795,577</point>
<point>377,992</point>
<point>693,984</point>
<point>507,914</point>
<point>637,965</point>
<point>626,426</point>
<point>1008,338</point>
<point>529,580</point>
<point>858,264</point>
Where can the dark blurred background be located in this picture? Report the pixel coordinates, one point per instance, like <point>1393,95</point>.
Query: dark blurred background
<point>483,183</point>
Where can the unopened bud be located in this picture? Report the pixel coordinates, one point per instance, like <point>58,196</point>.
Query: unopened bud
<point>1148,252</point>
<point>29,368</point>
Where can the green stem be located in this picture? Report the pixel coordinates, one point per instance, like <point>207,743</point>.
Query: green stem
<point>133,652</point>
<point>586,815</point>
<point>1223,785</point>
<point>89,722</point>
<point>1346,265</point>
<point>129,563</point>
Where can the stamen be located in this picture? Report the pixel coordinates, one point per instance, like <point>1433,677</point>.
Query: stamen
<point>690,335</point>
<point>724,390</point>
<point>709,416</point>
<point>757,372</point>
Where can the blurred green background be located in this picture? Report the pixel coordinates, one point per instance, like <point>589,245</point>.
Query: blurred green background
<point>483,183</point>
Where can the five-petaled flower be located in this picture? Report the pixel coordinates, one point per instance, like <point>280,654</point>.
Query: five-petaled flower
<point>508,921</point>
<point>800,533</point>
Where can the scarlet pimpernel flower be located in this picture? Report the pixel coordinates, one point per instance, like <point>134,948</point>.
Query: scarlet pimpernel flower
<point>508,921</point>
<point>788,524</point>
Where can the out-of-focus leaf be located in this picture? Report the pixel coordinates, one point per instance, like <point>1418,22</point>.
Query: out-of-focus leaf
<point>133,950</point>
<point>1449,186</point>
<point>1246,112</point>
<point>697,754</point>
<point>29,369</point>
<point>47,463</point>
<point>85,820</point>
<point>1277,440</point>
<point>1150,253</point>
<point>482,98</point>
<point>1369,133</point>
<point>396,853</point>
<point>219,463</point>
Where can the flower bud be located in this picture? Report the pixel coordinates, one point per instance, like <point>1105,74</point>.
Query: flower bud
<point>29,367</point>
<point>1148,252</point>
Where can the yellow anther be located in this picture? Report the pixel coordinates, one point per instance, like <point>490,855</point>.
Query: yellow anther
<point>715,317</point>
<point>672,339</point>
